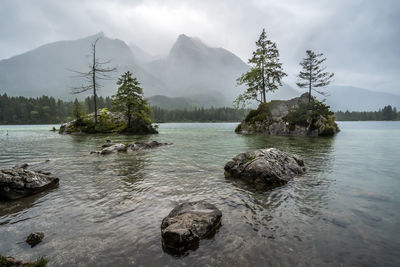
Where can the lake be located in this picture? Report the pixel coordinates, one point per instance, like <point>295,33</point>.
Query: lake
<point>108,209</point>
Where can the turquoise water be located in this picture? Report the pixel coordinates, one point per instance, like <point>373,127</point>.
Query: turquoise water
<point>108,209</point>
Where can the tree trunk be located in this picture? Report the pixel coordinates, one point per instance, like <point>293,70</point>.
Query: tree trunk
<point>129,116</point>
<point>94,84</point>
<point>263,81</point>
<point>309,89</point>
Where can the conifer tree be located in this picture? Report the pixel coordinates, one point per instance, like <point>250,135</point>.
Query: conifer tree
<point>129,100</point>
<point>265,73</point>
<point>312,76</point>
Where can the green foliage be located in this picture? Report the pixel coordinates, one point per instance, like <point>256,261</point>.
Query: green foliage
<point>41,110</point>
<point>129,100</point>
<point>265,74</point>
<point>54,129</point>
<point>41,262</point>
<point>77,112</point>
<point>312,75</point>
<point>259,114</point>
<point>198,115</point>
<point>307,111</point>
<point>388,113</point>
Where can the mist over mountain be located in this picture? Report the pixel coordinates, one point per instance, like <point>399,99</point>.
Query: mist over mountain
<point>358,99</point>
<point>48,69</point>
<point>192,74</point>
<point>205,74</point>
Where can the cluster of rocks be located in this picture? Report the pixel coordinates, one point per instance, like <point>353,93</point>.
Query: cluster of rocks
<point>274,122</point>
<point>19,182</point>
<point>190,222</point>
<point>109,147</point>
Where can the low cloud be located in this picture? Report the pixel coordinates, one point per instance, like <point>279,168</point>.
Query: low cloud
<point>359,38</point>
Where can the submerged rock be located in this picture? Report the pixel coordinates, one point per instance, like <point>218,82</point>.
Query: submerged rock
<point>12,262</point>
<point>113,149</point>
<point>34,238</point>
<point>265,167</point>
<point>18,182</point>
<point>187,223</point>
<point>139,145</point>
<point>109,147</point>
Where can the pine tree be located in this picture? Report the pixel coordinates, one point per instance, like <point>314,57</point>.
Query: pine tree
<point>312,75</point>
<point>265,74</point>
<point>129,99</point>
<point>76,112</point>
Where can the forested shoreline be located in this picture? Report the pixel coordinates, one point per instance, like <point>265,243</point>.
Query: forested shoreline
<point>48,110</point>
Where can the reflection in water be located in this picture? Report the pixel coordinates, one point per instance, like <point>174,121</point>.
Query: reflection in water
<point>108,209</point>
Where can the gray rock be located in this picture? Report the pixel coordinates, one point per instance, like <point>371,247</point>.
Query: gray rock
<point>266,167</point>
<point>113,149</point>
<point>275,124</point>
<point>34,239</point>
<point>18,182</point>
<point>108,144</point>
<point>139,145</point>
<point>187,224</point>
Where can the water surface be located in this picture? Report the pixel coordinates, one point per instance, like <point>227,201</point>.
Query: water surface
<point>108,209</point>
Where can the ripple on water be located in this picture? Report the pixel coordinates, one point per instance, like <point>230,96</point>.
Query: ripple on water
<point>108,209</point>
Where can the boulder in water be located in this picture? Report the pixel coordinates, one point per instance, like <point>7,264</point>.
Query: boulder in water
<point>18,182</point>
<point>187,223</point>
<point>266,167</point>
<point>34,239</point>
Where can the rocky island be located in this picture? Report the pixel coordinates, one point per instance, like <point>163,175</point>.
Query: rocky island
<point>108,122</point>
<point>295,117</point>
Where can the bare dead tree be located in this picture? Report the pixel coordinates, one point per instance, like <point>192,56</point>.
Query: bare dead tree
<point>97,71</point>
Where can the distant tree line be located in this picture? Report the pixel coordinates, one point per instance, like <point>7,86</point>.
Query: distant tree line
<point>44,109</point>
<point>48,110</point>
<point>198,115</point>
<point>388,113</point>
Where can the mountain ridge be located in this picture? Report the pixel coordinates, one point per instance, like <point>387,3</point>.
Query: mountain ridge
<point>192,69</point>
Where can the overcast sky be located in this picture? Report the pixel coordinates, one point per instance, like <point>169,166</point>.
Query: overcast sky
<point>361,39</point>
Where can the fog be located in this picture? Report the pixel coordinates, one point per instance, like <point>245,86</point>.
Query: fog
<point>359,38</point>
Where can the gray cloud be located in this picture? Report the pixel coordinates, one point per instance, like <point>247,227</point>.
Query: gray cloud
<point>359,38</point>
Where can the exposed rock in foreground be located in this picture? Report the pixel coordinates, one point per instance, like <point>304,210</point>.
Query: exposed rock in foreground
<point>12,262</point>
<point>109,148</point>
<point>294,117</point>
<point>108,122</point>
<point>187,223</point>
<point>34,239</point>
<point>265,167</point>
<point>18,182</point>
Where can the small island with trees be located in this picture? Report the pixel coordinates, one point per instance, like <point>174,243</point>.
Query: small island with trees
<point>301,116</point>
<point>130,111</point>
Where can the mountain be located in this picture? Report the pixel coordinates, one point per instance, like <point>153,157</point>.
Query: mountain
<point>173,103</point>
<point>140,55</point>
<point>358,99</point>
<point>47,70</point>
<point>207,74</point>
<point>192,74</point>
